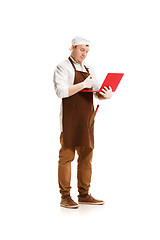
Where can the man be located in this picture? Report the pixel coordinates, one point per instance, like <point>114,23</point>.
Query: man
<point>77,121</point>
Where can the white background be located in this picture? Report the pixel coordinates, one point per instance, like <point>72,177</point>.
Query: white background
<point>35,37</point>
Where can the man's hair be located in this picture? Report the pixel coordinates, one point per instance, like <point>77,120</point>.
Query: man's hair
<point>86,45</point>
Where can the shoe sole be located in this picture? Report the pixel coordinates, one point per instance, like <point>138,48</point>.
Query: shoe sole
<point>87,203</point>
<point>73,207</point>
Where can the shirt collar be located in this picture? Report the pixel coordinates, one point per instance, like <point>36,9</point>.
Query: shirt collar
<point>76,62</point>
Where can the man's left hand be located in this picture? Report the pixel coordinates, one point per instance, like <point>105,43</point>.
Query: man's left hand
<point>106,92</point>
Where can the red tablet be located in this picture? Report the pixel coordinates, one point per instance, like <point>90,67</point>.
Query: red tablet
<point>112,80</point>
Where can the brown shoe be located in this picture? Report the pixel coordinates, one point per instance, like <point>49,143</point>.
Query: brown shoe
<point>89,200</point>
<point>67,202</point>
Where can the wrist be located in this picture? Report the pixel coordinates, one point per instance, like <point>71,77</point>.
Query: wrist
<point>83,84</point>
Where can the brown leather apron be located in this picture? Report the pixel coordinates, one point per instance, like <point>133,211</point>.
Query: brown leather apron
<point>78,115</point>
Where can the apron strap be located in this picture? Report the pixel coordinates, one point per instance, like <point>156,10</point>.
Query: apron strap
<point>72,63</point>
<point>87,69</point>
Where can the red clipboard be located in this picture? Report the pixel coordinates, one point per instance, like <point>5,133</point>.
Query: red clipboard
<point>112,80</point>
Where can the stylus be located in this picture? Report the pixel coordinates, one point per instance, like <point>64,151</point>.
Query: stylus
<point>96,109</point>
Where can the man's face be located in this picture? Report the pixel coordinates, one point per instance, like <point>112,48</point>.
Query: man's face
<point>79,52</point>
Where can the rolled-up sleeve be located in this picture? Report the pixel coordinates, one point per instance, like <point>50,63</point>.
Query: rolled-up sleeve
<point>60,80</point>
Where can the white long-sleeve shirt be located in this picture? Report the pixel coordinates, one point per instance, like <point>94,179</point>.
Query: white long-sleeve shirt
<point>64,77</point>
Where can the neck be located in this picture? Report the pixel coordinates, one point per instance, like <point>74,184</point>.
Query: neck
<point>76,60</point>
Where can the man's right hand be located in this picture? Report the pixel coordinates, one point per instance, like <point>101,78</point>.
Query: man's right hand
<point>88,82</point>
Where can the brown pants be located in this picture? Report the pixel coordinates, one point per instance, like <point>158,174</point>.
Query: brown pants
<point>84,168</point>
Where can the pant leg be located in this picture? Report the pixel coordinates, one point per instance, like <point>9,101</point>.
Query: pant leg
<point>84,168</point>
<point>66,156</point>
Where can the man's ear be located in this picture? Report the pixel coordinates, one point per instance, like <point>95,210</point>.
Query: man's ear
<point>72,47</point>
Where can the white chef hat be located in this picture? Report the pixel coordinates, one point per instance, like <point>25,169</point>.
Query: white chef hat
<point>80,41</point>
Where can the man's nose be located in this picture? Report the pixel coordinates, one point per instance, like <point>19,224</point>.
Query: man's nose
<point>84,54</point>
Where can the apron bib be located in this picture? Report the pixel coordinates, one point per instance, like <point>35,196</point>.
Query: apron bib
<point>78,115</point>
